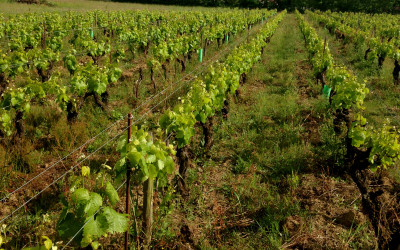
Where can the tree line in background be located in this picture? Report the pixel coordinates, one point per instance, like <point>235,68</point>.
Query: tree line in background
<point>371,6</point>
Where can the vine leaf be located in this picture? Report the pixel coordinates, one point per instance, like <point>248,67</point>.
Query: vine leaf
<point>93,204</point>
<point>111,194</point>
<point>68,227</point>
<point>169,165</point>
<point>117,223</point>
<point>121,145</point>
<point>80,197</point>
<point>160,164</point>
<point>95,227</point>
<point>134,158</point>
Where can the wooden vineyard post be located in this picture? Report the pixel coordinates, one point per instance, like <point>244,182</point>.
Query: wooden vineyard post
<point>153,81</point>
<point>148,190</point>
<point>128,185</point>
<point>147,211</point>
<point>138,82</point>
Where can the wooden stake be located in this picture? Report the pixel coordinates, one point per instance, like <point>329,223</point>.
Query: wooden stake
<point>147,211</point>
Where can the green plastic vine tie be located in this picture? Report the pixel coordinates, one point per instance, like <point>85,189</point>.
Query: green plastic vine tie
<point>201,55</point>
<point>326,91</point>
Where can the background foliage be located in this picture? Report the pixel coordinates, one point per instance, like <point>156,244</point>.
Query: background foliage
<point>371,6</point>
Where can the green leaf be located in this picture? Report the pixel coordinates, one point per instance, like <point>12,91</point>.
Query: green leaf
<point>151,158</point>
<point>98,84</point>
<point>145,171</point>
<point>160,164</point>
<point>121,145</point>
<point>134,158</point>
<point>119,166</point>
<point>64,213</point>
<point>80,197</point>
<point>79,87</point>
<point>203,117</point>
<point>94,228</point>
<point>68,227</point>
<point>117,223</point>
<point>94,204</point>
<point>358,138</point>
<point>363,121</point>
<point>5,118</point>
<point>169,165</point>
<point>115,74</point>
<point>112,194</point>
<point>152,171</point>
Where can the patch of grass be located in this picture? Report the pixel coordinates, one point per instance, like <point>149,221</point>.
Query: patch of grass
<point>261,144</point>
<point>241,166</point>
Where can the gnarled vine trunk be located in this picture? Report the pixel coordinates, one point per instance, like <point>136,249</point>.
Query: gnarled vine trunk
<point>208,134</point>
<point>146,48</point>
<point>243,78</point>
<point>72,110</point>
<point>380,201</point>
<point>3,83</point>
<point>341,117</point>
<point>165,69</point>
<point>182,63</point>
<point>381,59</point>
<point>94,58</point>
<point>45,74</point>
<point>321,77</point>
<point>183,154</point>
<point>19,123</point>
<point>366,53</point>
<point>98,99</point>
<point>225,109</point>
<point>205,46</point>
